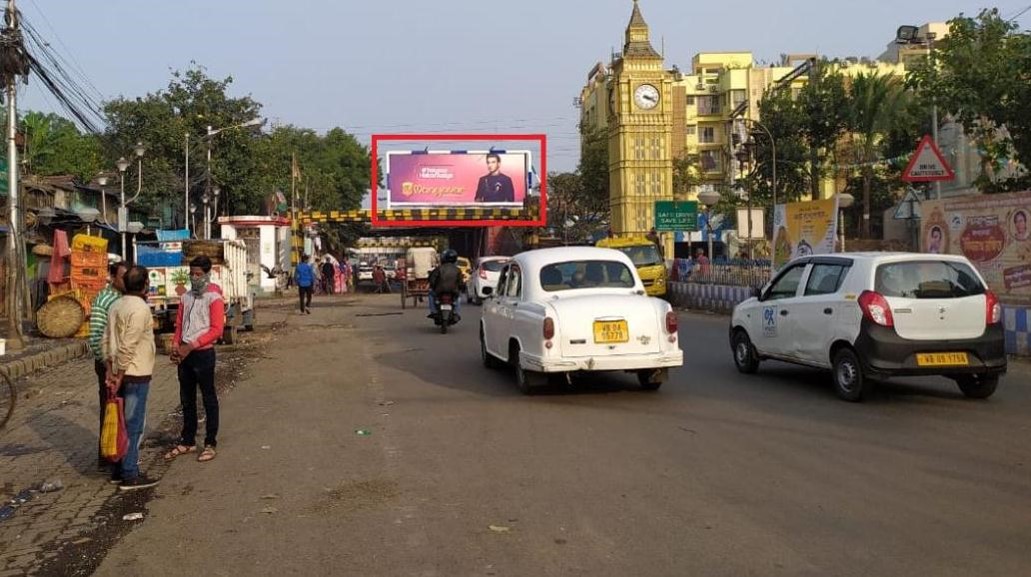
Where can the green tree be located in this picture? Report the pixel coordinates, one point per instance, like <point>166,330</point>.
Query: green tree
<point>593,169</point>
<point>873,104</point>
<point>55,146</point>
<point>980,73</point>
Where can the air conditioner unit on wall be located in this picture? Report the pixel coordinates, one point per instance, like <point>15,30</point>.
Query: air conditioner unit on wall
<point>700,87</point>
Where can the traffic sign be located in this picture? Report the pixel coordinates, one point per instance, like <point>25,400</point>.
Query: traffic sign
<point>927,164</point>
<point>673,216</point>
<point>909,207</point>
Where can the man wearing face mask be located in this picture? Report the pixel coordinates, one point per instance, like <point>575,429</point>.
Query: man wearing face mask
<point>198,325</point>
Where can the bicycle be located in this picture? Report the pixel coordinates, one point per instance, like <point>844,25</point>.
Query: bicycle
<point>8,395</point>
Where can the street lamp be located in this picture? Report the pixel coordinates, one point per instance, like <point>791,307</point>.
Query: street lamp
<point>210,209</point>
<point>123,212</point>
<point>845,200</point>
<point>103,180</point>
<point>211,132</point>
<point>911,35</point>
<point>709,198</point>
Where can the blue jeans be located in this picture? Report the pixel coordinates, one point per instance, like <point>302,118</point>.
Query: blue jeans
<point>134,397</point>
<point>433,302</point>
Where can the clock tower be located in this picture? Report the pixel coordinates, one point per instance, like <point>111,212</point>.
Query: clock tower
<point>640,129</point>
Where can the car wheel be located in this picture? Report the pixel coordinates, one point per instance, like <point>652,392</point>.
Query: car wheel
<point>489,360</point>
<point>528,381</point>
<point>978,386</point>
<point>849,382</point>
<point>651,379</point>
<point>745,357</point>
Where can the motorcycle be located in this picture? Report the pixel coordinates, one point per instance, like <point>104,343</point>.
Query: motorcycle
<point>445,316</point>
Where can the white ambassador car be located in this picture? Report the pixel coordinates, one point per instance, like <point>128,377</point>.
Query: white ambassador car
<point>876,315</point>
<point>559,311</point>
<point>484,274</point>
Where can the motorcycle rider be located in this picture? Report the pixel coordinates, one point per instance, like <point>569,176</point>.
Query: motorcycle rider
<point>446,278</point>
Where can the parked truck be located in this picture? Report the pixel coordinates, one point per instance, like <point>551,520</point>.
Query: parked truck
<point>170,278</point>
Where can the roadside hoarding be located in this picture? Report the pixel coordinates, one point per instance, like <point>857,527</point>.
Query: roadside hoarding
<point>446,178</point>
<point>804,228</point>
<point>992,231</point>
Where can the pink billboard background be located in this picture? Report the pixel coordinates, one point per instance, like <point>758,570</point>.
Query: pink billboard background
<point>449,179</point>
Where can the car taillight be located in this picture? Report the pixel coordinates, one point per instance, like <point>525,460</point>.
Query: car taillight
<point>875,308</point>
<point>549,328</point>
<point>671,322</point>
<point>483,274</point>
<point>993,309</point>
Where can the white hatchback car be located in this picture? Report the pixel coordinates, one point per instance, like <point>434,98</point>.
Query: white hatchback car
<point>876,315</point>
<point>564,310</point>
<point>484,274</point>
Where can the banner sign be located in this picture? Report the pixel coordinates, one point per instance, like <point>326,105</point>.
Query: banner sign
<point>457,178</point>
<point>804,228</point>
<point>992,230</point>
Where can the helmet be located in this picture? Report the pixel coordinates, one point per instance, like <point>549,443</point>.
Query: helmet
<point>449,256</point>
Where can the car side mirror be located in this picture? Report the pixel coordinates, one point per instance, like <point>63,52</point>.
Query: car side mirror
<point>757,293</point>
<point>488,291</point>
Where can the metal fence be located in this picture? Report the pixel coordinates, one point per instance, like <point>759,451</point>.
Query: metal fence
<point>746,273</point>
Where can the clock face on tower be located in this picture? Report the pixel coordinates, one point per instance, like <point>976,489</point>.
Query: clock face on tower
<point>646,97</point>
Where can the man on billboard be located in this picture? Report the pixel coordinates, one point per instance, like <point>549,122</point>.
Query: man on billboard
<point>494,186</point>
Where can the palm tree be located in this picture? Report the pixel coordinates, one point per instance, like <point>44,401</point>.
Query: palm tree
<point>874,101</point>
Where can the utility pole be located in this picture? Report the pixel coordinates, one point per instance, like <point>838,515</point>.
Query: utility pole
<point>15,245</point>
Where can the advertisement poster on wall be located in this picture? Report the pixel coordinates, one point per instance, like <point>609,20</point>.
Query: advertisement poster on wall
<point>804,228</point>
<point>990,230</point>
<point>457,178</point>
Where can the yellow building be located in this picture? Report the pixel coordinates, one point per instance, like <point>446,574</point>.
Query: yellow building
<point>653,115</point>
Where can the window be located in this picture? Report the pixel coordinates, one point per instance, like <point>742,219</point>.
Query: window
<point>643,255</point>
<point>708,135</point>
<point>583,274</point>
<point>515,285</point>
<point>690,100</point>
<point>639,183</point>
<point>492,265</point>
<point>709,160</point>
<point>708,105</point>
<point>927,280</point>
<point>786,285</point>
<point>737,96</point>
<point>692,130</point>
<point>639,149</point>
<point>825,279</point>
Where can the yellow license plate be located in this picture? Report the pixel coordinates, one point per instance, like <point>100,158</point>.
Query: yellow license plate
<point>611,332</point>
<point>942,360</point>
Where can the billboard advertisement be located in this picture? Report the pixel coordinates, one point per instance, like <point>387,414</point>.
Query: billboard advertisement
<point>992,231</point>
<point>457,178</point>
<point>804,228</point>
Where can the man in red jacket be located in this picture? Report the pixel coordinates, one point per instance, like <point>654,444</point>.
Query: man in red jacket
<point>198,325</point>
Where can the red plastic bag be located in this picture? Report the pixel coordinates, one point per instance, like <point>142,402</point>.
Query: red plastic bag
<point>114,440</point>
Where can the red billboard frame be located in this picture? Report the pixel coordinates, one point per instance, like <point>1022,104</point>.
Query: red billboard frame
<point>542,214</point>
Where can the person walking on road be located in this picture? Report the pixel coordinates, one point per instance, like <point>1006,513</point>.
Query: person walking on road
<point>198,326</point>
<point>328,276</point>
<point>128,344</point>
<point>98,319</point>
<point>304,278</point>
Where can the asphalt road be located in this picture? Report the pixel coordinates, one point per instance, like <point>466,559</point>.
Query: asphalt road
<point>715,474</point>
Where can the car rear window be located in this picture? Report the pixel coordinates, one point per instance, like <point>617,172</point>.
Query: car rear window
<point>586,274</point>
<point>927,280</point>
<point>493,265</point>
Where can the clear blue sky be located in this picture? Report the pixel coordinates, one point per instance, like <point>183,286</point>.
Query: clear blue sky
<point>446,65</point>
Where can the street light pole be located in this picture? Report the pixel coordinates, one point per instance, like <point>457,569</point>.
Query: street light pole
<point>186,185</point>
<point>123,216</point>
<point>207,190</point>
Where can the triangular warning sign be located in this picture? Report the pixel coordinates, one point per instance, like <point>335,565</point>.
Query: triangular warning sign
<point>927,164</point>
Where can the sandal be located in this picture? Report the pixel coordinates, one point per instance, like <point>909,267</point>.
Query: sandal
<point>207,454</point>
<point>179,450</point>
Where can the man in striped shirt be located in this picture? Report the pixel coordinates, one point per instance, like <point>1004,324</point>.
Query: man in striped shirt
<point>97,325</point>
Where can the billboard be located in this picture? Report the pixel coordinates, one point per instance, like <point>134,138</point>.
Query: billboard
<point>992,231</point>
<point>804,228</point>
<point>457,178</point>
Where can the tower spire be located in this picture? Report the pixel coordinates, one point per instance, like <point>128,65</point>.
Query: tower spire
<point>637,42</point>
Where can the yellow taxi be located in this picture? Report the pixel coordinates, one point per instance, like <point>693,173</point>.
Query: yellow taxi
<point>647,260</point>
